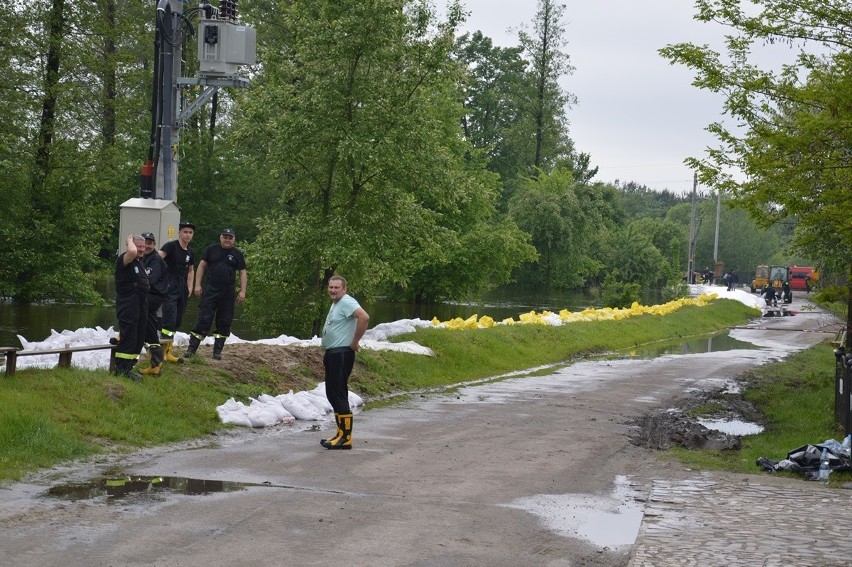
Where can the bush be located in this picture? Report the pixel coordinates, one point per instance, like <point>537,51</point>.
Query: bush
<point>619,294</point>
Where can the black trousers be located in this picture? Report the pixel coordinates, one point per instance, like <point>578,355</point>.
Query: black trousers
<point>132,313</point>
<point>338,363</point>
<point>174,306</point>
<point>219,303</point>
<point>152,327</point>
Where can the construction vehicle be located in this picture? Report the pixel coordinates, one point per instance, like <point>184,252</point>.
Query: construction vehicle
<point>778,275</point>
<point>761,278</point>
<point>763,275</point>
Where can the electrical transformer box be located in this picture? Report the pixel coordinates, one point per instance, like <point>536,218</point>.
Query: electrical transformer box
<point>223,46</point>
<point>140,215</point>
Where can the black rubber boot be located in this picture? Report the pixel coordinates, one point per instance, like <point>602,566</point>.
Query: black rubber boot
<point>344,441</point>
<point>218,345</point>
<point>194,341</point>
<point>157,355</point>
<point>124,367</point>
<point>336,436</point>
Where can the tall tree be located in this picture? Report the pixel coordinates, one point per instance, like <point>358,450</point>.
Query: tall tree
<point>794,147</point>
<point>566,220</point>
<point>356,121</point>
<point>544,46</point>
<point>74,107</point>
<point>496,91</point>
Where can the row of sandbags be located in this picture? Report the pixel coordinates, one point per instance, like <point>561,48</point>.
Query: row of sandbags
<point>266,410</point>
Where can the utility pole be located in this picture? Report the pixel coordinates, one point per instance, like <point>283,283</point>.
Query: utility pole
<point>716,240</point>
<point>690,267</point>
<point>169,13</point>
<point>225,45</point>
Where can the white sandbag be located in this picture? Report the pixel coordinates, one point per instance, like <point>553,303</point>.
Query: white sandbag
<point>273,400</point>
<point>355,400</point>
<point>261,416</point>
<point>274,406</point>
<point>231,405</point>
<point>299,409</point>
<point>322,405</point>
<point>236,418</point>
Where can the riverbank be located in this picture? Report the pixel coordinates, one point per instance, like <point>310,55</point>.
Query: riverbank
<point>58,415</point>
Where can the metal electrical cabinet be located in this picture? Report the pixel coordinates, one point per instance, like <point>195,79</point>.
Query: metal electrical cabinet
<point>148,215</point>
<point>223,46</point>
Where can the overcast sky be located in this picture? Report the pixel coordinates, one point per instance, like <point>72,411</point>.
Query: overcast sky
<point>637,116</point>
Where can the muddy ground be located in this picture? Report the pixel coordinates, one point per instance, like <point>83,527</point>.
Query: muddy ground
<point>300,368</point>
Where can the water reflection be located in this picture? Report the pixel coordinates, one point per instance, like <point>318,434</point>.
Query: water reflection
<point>709,343</point>
<point>117,488</point>
<point>35,321</point>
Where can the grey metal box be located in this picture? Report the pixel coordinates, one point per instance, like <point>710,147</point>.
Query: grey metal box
<point>224,46</point>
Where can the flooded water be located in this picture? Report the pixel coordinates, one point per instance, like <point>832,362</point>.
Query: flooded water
<point>718,342</point>
<point>605,521</point>
<point>731,426</point>
<point>118,488</point>
<point>35,321</point>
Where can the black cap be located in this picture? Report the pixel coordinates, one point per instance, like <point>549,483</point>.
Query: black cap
<point>149,236</point>
<point>228,232</point>
<point>186,224</point>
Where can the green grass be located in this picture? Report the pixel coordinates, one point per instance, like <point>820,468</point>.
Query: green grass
<point>51,416</point>
<point>56,415</point>
<point>464,355</point>
<point>796,396</point>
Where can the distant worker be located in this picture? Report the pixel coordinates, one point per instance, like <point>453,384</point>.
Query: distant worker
<point>131,290</point>
<point>345,324</point>
<point>180,260</point>
<point>786,292</point>
<point>221,263</point>
<point>770,295</point>
<point>158,281</point>
<point>733,280</point>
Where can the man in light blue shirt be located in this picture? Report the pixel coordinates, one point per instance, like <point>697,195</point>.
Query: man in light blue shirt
<point>344,326</point>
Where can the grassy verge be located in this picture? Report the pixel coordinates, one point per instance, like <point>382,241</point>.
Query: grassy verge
<point>796,396</point>
<point>56,415</point>
<point>466,355</point>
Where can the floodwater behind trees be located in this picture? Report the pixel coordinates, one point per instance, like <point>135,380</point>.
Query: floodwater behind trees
<point>34,321</point>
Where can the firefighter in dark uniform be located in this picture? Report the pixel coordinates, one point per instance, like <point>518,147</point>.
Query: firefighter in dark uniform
<point>131,290</point>
<point>221,263</point>
<point>180,260</point>
<point>158,282</point>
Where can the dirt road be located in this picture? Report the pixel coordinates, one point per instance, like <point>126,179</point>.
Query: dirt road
<point>512,472</point>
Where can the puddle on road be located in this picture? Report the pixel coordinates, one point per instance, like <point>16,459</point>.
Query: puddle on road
<point>708,343</point>
<point>118,488</point>
<point>604,521</point>
<point>731,426</point>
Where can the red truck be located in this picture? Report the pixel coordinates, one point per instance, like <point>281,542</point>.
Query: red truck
<point>802,278</point>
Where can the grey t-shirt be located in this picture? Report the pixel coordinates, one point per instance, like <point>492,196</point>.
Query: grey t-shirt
<point>340,324</point>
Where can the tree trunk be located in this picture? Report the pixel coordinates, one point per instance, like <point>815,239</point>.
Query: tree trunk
<point>214,107</point>
<point>849,311</point>
<point>109,95</point>
<point>54,27</point>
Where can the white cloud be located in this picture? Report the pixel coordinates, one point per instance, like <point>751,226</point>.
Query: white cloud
<point>638,116</point>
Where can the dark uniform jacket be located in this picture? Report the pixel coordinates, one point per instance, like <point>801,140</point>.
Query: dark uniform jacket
<point>222,266</point>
